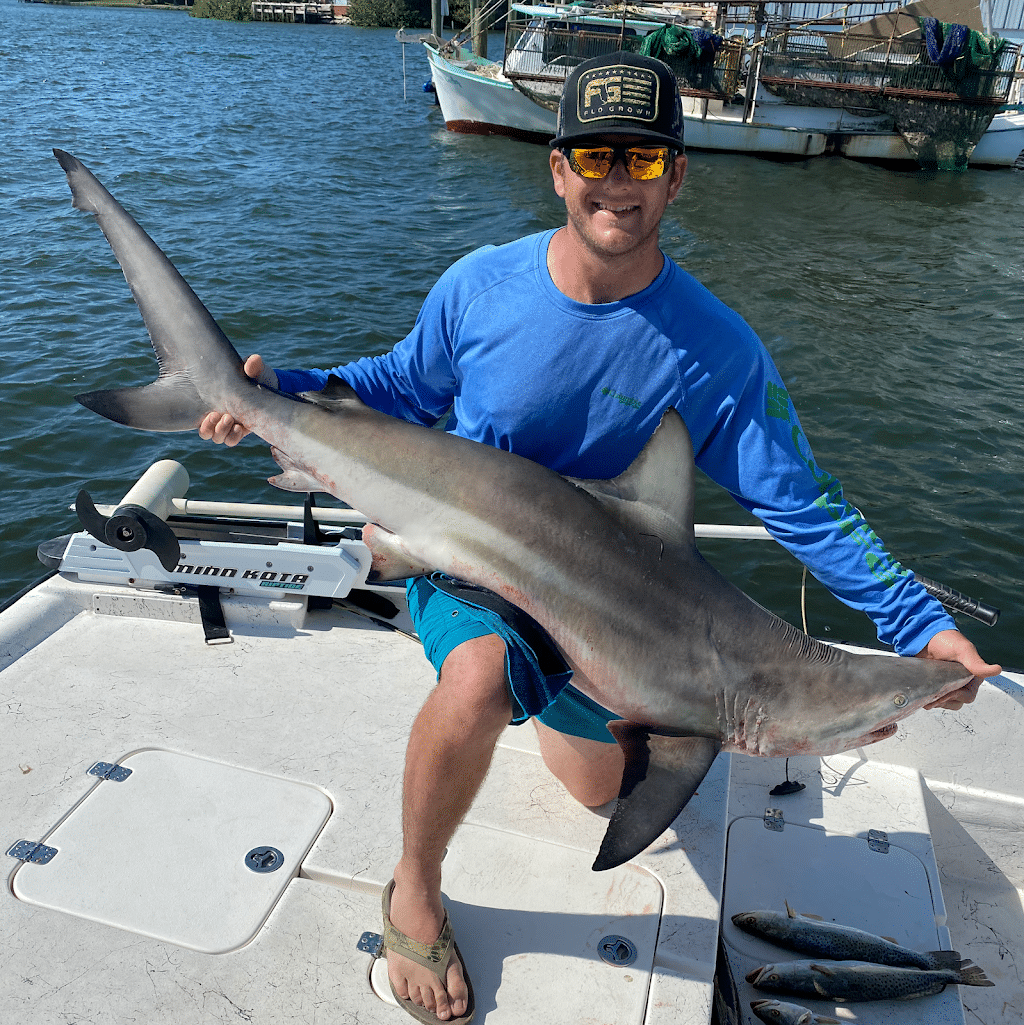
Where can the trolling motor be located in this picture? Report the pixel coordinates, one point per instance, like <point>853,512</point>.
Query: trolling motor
<point>140,520</point>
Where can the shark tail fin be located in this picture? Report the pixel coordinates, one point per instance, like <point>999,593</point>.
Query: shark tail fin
<point>167,404</point>
<point>661,774</point>
<point>189,346</point>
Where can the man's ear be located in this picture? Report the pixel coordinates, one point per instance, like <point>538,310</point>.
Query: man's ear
<point>676,176</point>
<point>558,165</point>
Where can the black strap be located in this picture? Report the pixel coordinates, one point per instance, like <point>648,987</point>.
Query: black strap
<point>212,614</point>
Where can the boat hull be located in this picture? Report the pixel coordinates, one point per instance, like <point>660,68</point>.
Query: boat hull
<point>476,98</point>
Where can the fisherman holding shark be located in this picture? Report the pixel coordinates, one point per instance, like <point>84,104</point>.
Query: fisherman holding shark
<point>567,347</point>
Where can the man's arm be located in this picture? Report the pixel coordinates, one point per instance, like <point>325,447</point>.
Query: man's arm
<point>758,451</point>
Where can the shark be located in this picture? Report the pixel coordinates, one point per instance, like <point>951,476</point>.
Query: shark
<point>609,568</point>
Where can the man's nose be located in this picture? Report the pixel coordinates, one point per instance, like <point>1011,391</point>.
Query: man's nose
<point>618,170</point>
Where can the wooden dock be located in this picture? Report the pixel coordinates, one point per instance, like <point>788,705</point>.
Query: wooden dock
<point>263,10</point>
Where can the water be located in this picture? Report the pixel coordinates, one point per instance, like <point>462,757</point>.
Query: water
<point>312,208</point>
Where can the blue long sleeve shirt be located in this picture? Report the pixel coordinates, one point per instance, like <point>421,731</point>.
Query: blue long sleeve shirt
<point>581,388</point>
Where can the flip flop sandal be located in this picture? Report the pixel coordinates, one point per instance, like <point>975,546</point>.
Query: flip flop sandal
<point>435,957</point>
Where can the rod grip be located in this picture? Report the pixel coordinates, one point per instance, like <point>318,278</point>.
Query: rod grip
<point>954,601</point>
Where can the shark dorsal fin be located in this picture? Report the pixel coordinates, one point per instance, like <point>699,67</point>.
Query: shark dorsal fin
<point>655,495</point>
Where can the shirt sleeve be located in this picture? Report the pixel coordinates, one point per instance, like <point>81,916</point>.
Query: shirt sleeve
<point>415,381</point>
<point>757,450</point>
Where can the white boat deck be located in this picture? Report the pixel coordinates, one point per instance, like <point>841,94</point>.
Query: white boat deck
<point>324,700</point>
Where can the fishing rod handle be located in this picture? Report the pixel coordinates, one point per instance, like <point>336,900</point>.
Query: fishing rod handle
<point>954,601</point>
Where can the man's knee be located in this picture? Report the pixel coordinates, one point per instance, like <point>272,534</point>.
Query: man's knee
<point>590,770</point>
<point>474,680</point>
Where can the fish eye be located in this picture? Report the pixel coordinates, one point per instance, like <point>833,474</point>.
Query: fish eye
<point>774,977</point>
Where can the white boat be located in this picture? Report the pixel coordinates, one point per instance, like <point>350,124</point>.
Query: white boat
<point>517,97</point>
<point>201,831</point>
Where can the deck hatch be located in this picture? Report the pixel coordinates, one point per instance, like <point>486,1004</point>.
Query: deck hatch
<point>841,879</point>
<point>164,853</point>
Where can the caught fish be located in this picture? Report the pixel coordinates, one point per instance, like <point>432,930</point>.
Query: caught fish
<point>856,981</point>
<point>807,935</point>
<point>652,631</point>
<point>778,1012</point>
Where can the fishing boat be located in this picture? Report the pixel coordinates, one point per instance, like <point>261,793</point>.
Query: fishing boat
<point>797,92</point>
<point>205,712</point>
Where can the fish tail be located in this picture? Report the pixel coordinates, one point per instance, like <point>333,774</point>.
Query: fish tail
<point>945,959</point>
<point>971,975</point>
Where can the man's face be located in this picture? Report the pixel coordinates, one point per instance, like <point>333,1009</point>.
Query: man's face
<point>615,215</point>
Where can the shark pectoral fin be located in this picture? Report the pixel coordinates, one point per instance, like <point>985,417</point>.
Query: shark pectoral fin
<point>168,404</point>
<point>661,774</point>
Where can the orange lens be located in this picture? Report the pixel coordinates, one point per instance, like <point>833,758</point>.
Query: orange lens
<point>592,163</point>
<point>648,163</point>
<point>643,163</point>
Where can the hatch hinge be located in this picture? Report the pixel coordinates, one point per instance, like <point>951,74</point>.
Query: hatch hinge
<point>773,819</point>
<point>370,943</point>
<point>878,841</point>
<point>109,770</point>
<point>32,850</point>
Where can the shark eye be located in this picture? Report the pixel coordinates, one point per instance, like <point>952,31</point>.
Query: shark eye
<point>900,700</point>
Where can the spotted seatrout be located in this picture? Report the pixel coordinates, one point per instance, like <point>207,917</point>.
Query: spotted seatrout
<point>856,981</point>
<point>808,935</point>
<point>778,1012</point>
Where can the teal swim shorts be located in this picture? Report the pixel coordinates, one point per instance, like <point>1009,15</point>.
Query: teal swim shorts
<point>538,677</point>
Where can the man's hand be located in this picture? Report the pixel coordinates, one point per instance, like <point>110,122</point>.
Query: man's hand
<point>223,428</point>
<point>952,646</point>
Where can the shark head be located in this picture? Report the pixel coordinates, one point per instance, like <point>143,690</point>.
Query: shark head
<point>864,699</point>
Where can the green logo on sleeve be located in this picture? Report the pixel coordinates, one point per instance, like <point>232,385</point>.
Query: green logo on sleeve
<point>777,401</point>
<point>882,566</point>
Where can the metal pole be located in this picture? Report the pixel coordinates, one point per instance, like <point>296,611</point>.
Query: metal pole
<point>436,17</point>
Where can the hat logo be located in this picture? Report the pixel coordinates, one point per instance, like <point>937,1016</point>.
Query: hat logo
<point>618,92</point>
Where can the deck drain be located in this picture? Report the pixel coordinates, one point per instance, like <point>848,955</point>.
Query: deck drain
<point>264,859</point>
<point>617,951</point>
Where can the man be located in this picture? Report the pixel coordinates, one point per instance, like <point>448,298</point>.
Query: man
<point>567,347</point>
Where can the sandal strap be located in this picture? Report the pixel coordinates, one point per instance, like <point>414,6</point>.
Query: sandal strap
<point>430,955</point>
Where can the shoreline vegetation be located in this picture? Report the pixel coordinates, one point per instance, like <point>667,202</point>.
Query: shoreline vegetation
<point>362,13</point>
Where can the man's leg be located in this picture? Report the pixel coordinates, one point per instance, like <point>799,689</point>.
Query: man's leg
<point>589,769</point>
<point>449,752</point>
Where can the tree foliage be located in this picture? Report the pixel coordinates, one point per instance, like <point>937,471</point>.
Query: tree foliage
<point>224,10</point>
<point>390,13</point>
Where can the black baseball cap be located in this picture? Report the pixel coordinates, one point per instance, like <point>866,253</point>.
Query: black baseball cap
<point>620,94</point>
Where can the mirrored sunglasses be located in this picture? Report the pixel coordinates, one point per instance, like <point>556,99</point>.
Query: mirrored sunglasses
<point>643,163</point>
